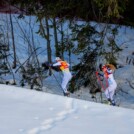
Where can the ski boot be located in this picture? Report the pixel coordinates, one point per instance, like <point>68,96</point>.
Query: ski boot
<point>66,94</point>
<point>111,102</point>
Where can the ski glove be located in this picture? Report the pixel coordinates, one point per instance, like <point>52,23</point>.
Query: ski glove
<point>50,65</point>
<point>96,73</point>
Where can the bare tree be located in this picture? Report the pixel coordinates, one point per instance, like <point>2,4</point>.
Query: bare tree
<point>13,41</point>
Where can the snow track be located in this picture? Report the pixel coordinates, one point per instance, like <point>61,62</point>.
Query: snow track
<point>60,116</point>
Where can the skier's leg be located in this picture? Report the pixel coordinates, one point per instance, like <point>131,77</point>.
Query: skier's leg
<point>66,79</point>
<point>64,83</point>
<point>107,93</point>
<point>110,93</point>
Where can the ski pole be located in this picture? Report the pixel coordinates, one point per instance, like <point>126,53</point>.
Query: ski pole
<point>101,84</point>
<point>104,88</point>
<point>56,79</point>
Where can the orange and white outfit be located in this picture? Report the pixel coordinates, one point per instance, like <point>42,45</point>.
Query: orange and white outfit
<point>111,83</point>
<point>64,67</point>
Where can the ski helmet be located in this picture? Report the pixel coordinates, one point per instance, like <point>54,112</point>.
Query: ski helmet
<point>57,58</point>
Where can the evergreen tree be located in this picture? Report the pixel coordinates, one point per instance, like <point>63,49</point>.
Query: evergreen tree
<point>91,48</point>
<point>4,69</point>
<point>87,48</point>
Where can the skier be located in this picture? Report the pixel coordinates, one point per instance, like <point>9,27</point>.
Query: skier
<point>64,67</point>
<point>110,81</point>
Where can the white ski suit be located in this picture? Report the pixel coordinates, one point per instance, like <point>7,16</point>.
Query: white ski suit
<point>66,74</point>
<point>112,85</point>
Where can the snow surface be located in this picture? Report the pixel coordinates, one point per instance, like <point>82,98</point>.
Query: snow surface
<point>26,111</point>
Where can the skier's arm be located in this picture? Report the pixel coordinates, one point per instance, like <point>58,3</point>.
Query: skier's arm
<point>97,73</point>
<point>101,74</point>
<point>109,71</point>
<point>56,64</point>
<point>68,64</point>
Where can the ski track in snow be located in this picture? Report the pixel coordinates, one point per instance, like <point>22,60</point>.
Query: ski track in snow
<point>49,123</point>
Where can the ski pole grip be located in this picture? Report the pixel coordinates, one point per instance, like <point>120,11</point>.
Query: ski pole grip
<point>96,73</point>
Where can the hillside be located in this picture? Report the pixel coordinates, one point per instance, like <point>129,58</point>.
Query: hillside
<point>124,75</point>
<point>30,112</point>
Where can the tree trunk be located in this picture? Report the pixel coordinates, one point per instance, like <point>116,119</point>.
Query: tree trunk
<point>48,41</point>
<point>62,42</point>
<point>14,49</point>
<point>48,45</point>
<point>56,38</point>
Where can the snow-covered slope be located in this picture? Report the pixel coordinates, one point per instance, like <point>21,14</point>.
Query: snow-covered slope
<point>123,75</point>
<point>26,111</point>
